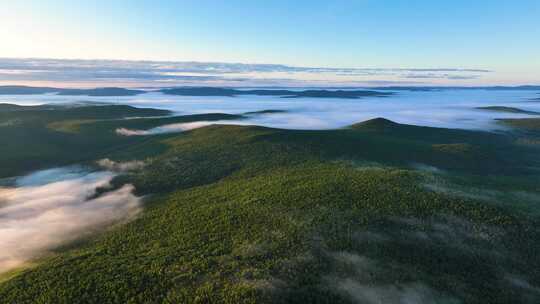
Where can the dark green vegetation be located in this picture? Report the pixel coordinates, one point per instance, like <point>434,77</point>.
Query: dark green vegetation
<point>212,91</point>
<point>527,131</point>
<point>45,136</point>
<point>24,90</point>
<point>244,214</point>
<point>530,124</point>
<point>265,112</point>
<point>76,111</point>
<point>508,110</point>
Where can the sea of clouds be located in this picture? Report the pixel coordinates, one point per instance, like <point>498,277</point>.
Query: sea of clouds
<point>452,108</point>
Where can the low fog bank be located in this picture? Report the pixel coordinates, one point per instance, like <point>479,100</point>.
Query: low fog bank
<point>177,127</point>
<point>48,208</point>
<point>524,201</point>
<point>443,259</point>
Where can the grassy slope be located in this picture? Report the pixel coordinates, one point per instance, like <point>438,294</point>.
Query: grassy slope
<point>211,153</point>
<point>249,214</point>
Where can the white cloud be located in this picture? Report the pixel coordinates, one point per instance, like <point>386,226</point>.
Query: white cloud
<point>120,166</point>
<point>51,207</point>
<point>174,128</point>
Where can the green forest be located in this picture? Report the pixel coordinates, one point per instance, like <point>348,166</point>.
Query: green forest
<point>249,214</point>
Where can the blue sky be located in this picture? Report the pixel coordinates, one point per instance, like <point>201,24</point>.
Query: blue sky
<point>502,36</point>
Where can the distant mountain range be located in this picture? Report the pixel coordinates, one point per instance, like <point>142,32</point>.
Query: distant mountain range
<point>25,90</point>
<point>436,88</point>
<point>349,93</point>
<point>210,91</point>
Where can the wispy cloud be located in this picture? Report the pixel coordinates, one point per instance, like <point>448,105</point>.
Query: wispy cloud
<point>431,75</point>
<point>174,128</point>
<point>163,73</point>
